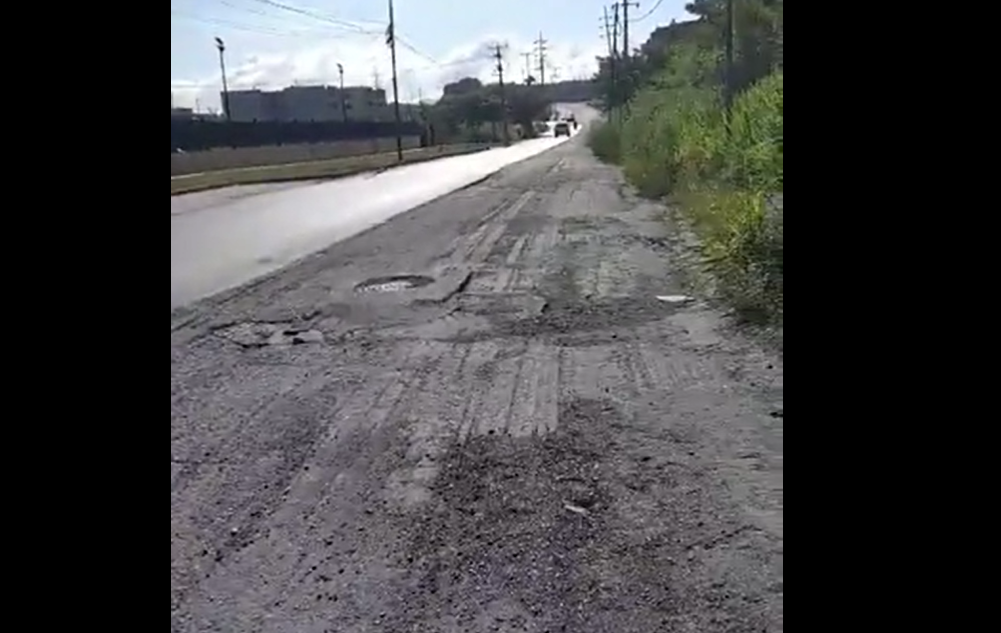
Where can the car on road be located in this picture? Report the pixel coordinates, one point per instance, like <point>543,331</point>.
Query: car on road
<point>562,129</point>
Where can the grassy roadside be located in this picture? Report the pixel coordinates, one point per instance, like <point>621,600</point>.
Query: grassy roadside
<point>315,170</point>
<point>726,178</point>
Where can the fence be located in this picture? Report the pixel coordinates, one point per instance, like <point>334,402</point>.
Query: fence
<point>197,135</point>
<point>240,157</point>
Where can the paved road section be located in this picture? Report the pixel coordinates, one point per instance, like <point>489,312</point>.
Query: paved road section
<point>524,439</point>
<point>220,239</point>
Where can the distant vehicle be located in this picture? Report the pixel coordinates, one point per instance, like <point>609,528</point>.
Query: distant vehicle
<point>562,129</point>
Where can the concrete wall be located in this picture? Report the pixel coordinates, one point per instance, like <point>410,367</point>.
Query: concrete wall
<point>213,160</point>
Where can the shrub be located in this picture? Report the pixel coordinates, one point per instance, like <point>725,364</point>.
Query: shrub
<point>725,174</point>
<point>605,141</point>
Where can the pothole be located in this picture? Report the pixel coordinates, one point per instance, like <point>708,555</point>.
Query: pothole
<point>397,283</point>
<point>255,335</point>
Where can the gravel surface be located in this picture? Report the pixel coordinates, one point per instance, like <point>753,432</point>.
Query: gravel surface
<point>532,442</point>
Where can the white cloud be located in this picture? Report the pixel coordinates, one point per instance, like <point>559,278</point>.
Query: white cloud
<point>365,56</point>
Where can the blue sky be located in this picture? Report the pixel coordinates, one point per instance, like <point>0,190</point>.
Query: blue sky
<point>269,46</point>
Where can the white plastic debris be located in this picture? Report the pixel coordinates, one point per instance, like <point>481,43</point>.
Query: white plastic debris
<point>675,298</point>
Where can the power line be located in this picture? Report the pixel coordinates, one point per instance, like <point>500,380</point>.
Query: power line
<point>326,23</point>
<point>324,27</point>
<point>416,51</point>
<point>656,6</point>
<point>239,26</point>
<point>355,26</point>
<point>345,24</point>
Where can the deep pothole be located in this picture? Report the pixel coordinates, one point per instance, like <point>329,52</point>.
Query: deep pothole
<point>395,283</point>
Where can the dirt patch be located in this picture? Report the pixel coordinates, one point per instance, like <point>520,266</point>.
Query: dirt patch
<point>560,318</point>
<point>575,531</point>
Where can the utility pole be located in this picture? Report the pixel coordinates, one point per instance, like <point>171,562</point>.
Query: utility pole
<point>225,85</point>
<point>344,103</point>
<point>376,80</point>
<point>728,86</point>
<point>608,33</point>
<point>612,31</point>
<point>499,56</point>
<point>616,29</point>
<point>625,26</point>
<point>541,49</point>
<point>528,65</point>
<point>391,39</point>
<point>611,61</point>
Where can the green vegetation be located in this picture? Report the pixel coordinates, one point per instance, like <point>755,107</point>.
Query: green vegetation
<point>669,129</point>
<point>470,112</point>
<point>314,170</point>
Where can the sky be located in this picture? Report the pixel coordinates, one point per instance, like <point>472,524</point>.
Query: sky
<point>271,44</point>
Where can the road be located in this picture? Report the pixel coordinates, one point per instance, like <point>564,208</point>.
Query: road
<point>531,441</point>
<point>220,239</point>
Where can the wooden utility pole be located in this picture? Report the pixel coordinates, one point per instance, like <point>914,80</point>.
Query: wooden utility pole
<point>616,29</point>
<point>616,91</point>
<point>499,56</point>
<point>728,81</point>
<point>610,40</point>
<point>391,40</point>
<point>625,26</point>
<point>608,33</point>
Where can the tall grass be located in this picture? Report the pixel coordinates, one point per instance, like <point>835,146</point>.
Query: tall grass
<point>604,141</point>
<point>725,172</point>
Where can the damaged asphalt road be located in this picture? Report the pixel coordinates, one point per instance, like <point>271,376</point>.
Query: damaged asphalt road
<point>477,417</point>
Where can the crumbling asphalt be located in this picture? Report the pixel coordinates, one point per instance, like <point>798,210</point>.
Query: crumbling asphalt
<point>527,439</point>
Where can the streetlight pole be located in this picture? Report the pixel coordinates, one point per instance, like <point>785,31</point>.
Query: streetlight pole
<point>225,86</point>
<point>344,104</point>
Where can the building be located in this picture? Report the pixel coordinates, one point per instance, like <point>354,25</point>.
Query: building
<point>179,113</point>
<point>310,103</point>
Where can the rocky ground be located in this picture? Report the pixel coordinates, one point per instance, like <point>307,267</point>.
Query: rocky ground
<point>519,437</point>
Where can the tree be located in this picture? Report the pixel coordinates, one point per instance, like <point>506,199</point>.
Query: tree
<point>467,106</point>
<point>690,53</point>
<point>526,105</point>
<point>465,86</point>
